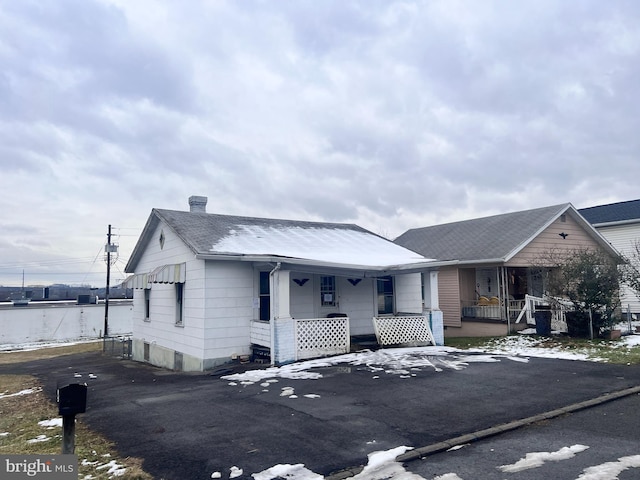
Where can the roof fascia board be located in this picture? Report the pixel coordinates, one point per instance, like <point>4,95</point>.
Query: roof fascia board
<point>481,261</point>
<point>617,223</point>
<point>590,229</point>
<point>143,240</point>
<point>417,266</point>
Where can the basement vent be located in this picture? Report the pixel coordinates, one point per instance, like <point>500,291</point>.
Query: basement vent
<point>145,353</point>
<point>178,361</point>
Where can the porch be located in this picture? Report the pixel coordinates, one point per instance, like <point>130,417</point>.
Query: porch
<point>303,339</point>
<point>497,293</point>
<point>308,314</point>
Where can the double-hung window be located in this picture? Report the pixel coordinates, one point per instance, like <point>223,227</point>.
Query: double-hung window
<point>179,304</point>
<point>264,297</point>
<point>328,291</point>
<point>147,304</point>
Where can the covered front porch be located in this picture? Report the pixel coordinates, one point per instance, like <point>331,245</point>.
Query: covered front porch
<point>311,313</point>
<point>497,293</point>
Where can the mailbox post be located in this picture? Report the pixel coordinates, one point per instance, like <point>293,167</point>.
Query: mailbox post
<point>72,399</point>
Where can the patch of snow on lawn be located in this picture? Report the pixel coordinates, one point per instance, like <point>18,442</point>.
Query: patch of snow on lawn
<point>52,423</point>
<point>26,391</point>
<point>524,346</point>
<point>630,341</point>
<point>537,459</point>
<point>38,439</point>
<point>114,469</point>
<point>27,347</point>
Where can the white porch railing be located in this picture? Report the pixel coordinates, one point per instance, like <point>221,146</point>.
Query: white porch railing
<point>260,333</point>
<point>400,330</point>
<point>558,320</point>
<point>321,337</point>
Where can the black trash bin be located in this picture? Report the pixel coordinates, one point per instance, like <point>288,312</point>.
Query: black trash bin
<point>543,320</point>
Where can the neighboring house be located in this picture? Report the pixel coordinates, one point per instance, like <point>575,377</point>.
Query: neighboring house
<point>619,223</point>
<point>497,262</point>
<point>209,289</point>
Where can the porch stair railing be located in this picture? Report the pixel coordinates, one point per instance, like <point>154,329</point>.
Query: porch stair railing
<point>558,320</point>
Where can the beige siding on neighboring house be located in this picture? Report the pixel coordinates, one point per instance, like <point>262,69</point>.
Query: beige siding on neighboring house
<point>449,296</point>
<point>468,284</point>
<point>550,240</point>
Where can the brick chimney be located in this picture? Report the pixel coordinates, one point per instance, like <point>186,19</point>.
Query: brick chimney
<point>197,204</point>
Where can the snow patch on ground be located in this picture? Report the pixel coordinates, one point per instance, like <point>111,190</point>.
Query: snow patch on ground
<point>26,391</point>
<point>537,459</point>
<point>404,362</point>
<point>610,470</point>
<point>51,423</point>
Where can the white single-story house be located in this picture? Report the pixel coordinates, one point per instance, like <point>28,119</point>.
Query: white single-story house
<point>209,289</point>
<point>495,263</point>
<point>619,223</point>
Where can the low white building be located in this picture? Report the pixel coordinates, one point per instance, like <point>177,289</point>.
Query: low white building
<point>211,288</point>
<point>619,223</point>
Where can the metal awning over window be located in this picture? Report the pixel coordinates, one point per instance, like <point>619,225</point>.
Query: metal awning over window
<point>174,273</point>
<point>136,281</point>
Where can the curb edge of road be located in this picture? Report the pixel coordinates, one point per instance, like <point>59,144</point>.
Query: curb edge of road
<point>421,452</point>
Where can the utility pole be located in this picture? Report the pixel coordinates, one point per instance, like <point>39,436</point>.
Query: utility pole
<point>106,298</point>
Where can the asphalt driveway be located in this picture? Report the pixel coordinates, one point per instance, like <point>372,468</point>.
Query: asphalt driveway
<point>187,426</point>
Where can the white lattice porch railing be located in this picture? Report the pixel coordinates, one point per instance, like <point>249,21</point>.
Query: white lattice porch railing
<point>321,337</point>
<point>411,329</point>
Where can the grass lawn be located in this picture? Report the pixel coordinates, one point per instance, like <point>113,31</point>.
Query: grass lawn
<point>23,405</point>
<point>612,351</point>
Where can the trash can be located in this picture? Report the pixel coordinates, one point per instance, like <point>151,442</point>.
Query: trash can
<point>543,320</point>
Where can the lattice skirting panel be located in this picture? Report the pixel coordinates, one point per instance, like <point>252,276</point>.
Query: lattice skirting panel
<point>321,337</point>
<point>403,330</point>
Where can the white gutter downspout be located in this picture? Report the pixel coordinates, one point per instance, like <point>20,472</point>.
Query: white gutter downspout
<point>273,309</point>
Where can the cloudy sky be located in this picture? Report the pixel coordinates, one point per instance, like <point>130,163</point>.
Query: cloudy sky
<point>388,114</point>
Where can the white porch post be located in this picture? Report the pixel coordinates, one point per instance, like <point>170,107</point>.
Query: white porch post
<point>432,305</point>
<point>283,341</point>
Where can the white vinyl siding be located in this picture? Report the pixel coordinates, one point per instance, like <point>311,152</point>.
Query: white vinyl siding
<point>623,238</point>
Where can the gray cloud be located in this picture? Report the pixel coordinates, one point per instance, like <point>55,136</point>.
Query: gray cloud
<point>391,115</point>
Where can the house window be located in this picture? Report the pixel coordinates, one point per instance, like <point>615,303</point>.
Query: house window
<point>179,303</point>
<point>265,297</point>
<point>328,291</point>
<point>145,351</point>
<point>147,304</point>
<point>385,295</point>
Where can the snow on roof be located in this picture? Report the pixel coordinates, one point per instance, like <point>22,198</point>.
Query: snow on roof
<point>339,246</point>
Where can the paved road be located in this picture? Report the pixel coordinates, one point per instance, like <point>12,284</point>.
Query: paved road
<point>609,430</point>
<point>187,426</point>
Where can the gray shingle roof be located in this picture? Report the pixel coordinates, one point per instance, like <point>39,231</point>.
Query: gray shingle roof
<point>203,230</point>
<point>489,238</point>
<point>612,213</point>
<point>209,235</point>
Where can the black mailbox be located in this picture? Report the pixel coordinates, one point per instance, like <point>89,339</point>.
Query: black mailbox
<point>72,399</point>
